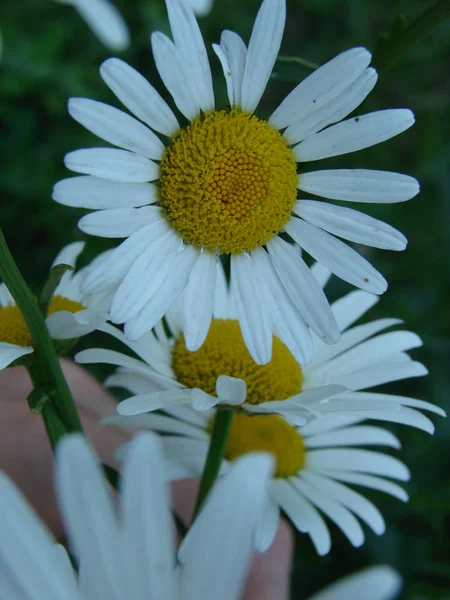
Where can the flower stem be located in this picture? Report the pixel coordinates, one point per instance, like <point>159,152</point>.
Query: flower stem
<point>403,41</point>
<point>47,371</point>
<point>216,452</point>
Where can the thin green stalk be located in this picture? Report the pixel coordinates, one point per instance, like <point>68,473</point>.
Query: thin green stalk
<point>46,365</point>
<point>53,424</point>
<point>216,453</point>
<point>403,41</point>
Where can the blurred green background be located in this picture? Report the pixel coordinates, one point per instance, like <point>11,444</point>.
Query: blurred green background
<point>50,55</point>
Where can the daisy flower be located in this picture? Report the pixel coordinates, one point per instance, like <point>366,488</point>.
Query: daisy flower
<point>227,184</point>
<point>105,21</point>
<point>222,372</point>
<point>313,464</point>
<point>70,314</point>
<point>129,552</point>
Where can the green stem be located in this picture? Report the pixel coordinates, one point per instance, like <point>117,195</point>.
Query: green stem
<point>53,279</point>
<point>402,42</point>
<point>46,367</point>
<point>216,453</point>
<point>53,424</point>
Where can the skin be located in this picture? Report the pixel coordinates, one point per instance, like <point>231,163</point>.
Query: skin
<point>26,456</point>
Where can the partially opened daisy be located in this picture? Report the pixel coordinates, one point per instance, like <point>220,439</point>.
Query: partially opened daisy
<point>105,21</point>
<point>227,184</point>
<point>129,552</point>
<point>70,314</point>
<point>222,372</point>
<point>313,464</point>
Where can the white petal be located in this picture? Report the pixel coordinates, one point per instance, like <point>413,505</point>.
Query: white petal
<point>268,526</point>
<point>350,224</point>
<point>116,127</point>
<point>233,525</point>
<point>157,422</point>
<point>343,518</point>
<point>403,400</point>
<point>189,43</point>
<point>375,583</point>
<point>342,260</point>
<point>105,21</point>
<point>118,222</point>
<point>232,54</point>
<point>110,272</point>
<point>328,422</point>
<point>64,325</point>
<point>144,278</point>
<point>199,300</point>
<point>69,254</point>
<point>202,401</point>
<point>370,481</point>
<point>364,461</point>
<point>135,383</point>
<point>116,165</point>
<point>221,295</point>
<point>360,185</point>
<point>354,436</point>
<point>355,134</point>
<point>155,401</point>
<point>382,373</point>
<point>403,416</point>
<point>141,98</point>
<point>173,71</point>
<point>321,273</point>
<point>86,191</point>
<point>29,564</point>
<point>304,290</point>
<point>169,290</point>
<point>335,110</point>
<point>352,306</point>
<point>148,541</point>
<point>6,298</point>
<point>231,390</point>
<point>253,315</point>
<point>9,353</point>
<point>289,324</point>
<point>89,516</point>
<point>321,87</point>
<point>262,51</point>
<point>287,497</point>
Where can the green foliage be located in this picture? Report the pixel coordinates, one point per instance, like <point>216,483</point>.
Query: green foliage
<point>50,55</point>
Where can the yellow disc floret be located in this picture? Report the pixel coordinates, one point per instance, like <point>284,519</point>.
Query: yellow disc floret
<point>224,353</point>
<point>228,182</point>
<point>267,433</point>
<point>14,330</point>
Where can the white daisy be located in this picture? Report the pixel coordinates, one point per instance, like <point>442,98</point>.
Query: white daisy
<point>374,583</point>
<point>312,461</point>
<point>129,552</point>
<point>105,21</point>
<point>70,313</point>
<point>223,372</point>
<point>227,184</point>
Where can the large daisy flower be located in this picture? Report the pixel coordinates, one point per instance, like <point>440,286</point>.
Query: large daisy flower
<point>223,372</point>
<point>70,314</point>
<point>129,552</point>
<point>227,184</point>
<point>313,464</point>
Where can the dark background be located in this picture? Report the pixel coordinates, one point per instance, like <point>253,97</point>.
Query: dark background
<point>50,55</point>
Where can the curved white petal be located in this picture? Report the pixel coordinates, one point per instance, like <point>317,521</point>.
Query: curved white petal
<point>69,254</point>
<point>9,353</point>
<point>116,127</point>
<point>199,300</point>
<point>64,325</point>
<point>262,51</point>
<point>364,435</point>
<point>154,401</point>
<point>355,134</point>
<point>189,43</point>
<point>365,461</point>
<point>374,583</point>
<point>321,88</point>
<point>360,185</point>
<point>350,224</point>
<point>109,163</point>
<point>231,390</point>
<point>118,222</point>
<point>232,54</point>
<point>369,481</point>
<point>138,95</point>
<point>267,527</point>
<point>342,260</point>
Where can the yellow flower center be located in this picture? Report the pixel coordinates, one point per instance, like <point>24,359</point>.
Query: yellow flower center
<point>267,433</point>
<point>228,182</point>
<point>13,328</point>
<point>224,353</point>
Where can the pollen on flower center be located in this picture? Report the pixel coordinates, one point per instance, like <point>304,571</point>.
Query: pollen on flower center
<point>267,433</point>
<point>228,182</point>
<point>224,353</point>
<point>14,330</point>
